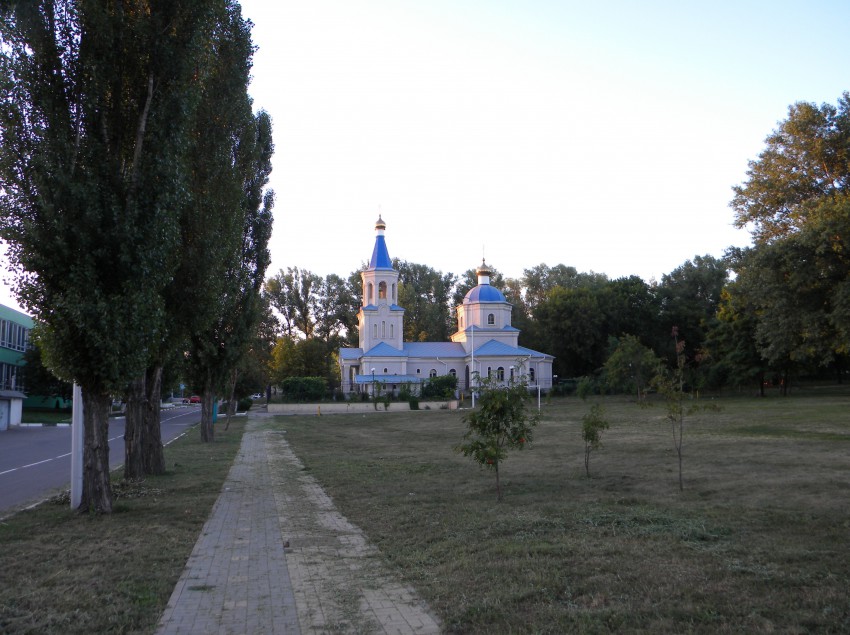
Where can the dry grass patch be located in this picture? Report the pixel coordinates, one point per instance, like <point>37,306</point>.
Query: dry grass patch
<point>756,542</point>
<point>67,573</point>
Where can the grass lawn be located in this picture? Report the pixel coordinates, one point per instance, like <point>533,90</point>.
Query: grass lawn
<point>45,416</point>
<point>61,572</point>
<point>757,542</point>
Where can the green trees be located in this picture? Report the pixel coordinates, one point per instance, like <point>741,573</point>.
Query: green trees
<point>424,293</point>
<point>92,181</point>
<point>631,367</point>
<point>796,200</point>
<point>502,422</point>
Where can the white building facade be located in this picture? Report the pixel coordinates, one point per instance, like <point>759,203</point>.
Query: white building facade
<point>485,342</point>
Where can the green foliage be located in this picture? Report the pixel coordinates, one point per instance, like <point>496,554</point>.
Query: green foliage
<point>586,387</point>
<point>303,389</point>
<point>244,404</point>
<point>804,164</point>
<point>631,367</point>
<point>424,293</point>
<point>502,421</point>
<point>37,378</point>
<point>441,387</point>
<point>380,395</point>
<point>592,425</point>
<point>406,394</point>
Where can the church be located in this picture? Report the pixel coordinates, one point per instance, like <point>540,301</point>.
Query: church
<point>485,342</point>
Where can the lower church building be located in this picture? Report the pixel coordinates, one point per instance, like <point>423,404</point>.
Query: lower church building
<point>485,342</point>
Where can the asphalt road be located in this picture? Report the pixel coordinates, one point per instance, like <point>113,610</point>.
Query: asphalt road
<point>35,461</point>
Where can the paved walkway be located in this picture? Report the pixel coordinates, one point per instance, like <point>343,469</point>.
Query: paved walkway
<point>275,556</point>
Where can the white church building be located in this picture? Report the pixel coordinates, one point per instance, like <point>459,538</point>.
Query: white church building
<point>485,342</point>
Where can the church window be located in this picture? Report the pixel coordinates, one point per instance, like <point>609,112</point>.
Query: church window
<point>383,330</point>
<point>453,372</point>
<point>394,295</point>
<point>375,331</point>
<point>432,373</point>
<point>489,372</point>
<point>369,294</point>
<point>391,331</point>
<point>531,375</point>
<point>382,290</point>
<point>385,371</point>
<point>418,371</point>
<point>491,319</point>
<point>460,320</point>
<point>500,373</point>
<point>512,373</point>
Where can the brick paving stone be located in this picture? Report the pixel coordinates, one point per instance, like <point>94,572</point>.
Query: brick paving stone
<point>241,579</point>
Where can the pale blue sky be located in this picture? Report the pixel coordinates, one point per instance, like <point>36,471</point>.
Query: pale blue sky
<point>605,136</point>
<point>602,135</point>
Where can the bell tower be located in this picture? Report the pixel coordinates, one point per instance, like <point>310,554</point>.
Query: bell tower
<point>380,318</point>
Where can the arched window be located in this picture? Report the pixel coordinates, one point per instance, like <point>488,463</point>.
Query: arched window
<point>489,372</point>
<point>391,330</point>
<point>393,298</point>
<point>512,373</point>
<point>531,375</point>
<point>453,372</point>
<point>385,371</point>
<point>432,373</point>
<point>375,331</point>
<point>460,321</point>
<point>382,290</point>
<point>383,330</point>
<point>500,373</point>
<point>369,291</point>
<point>418,371</point>
<point>491,319</point>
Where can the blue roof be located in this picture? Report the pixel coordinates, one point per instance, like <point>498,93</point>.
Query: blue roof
<point>350,353</point>
<point>501,349</point>
<point>380,255</point>
<point>434,349</point>
<point>385,350</point>
<point>484,293</point>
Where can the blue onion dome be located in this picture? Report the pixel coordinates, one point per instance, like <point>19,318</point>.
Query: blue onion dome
<point>484,292</point>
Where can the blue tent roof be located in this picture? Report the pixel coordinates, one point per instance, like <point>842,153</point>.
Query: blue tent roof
<point>385,350</point>
<point>380,255</point>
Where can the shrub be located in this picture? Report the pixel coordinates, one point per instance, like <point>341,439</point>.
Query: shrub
<point>442,387</point>
<point>303,389</point>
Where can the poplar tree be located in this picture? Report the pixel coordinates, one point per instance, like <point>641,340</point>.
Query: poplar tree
<point>95,107</point>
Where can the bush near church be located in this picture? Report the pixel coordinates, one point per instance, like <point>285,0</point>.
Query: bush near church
<point>303,389</point>
<point>442,387</point>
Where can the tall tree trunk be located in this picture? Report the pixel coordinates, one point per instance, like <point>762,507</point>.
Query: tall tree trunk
<point>152,454</point>
<point>231,404</point>
<point>207,430</point>
<point>134,429</point>
<point>97,490</point>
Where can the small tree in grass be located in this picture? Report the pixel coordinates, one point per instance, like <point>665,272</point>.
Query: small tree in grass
<point>593,423</point>
<point>672,386</point>
<point>502,421</point>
